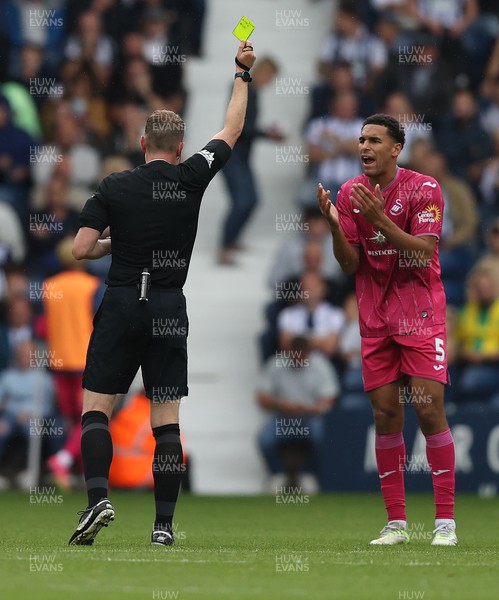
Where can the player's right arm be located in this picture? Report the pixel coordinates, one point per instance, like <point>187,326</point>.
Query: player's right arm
<point>236,111</point>
<point>345,253</point>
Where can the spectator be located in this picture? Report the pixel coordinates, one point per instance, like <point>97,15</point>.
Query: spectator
<point>27,23</point>
<point>350,41</point>
<point>290,259</point>
<point>478,337</point>
<point>490,259</point>
<point>333,143</point>
<point>465,144</point>
<point>461,207</point>
<point>19,322</point>
<point>237,172</point>
<point>91,45</point>
<point>298,391</point>
<point>415,128</point>
<point>15,146</point>
<point>72,156</point>
<point>25,393</point>
<point>339,79</point>
<point>127,119</point>
<point>12,243</point>
<point>489,184</point>
<point>68,300</point>
<point>489,108</point>
<point>313,318</point>
<point>349,350</point>
<point>49,227</point>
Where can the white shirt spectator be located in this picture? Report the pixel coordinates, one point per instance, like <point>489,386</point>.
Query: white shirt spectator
<point>445,12</point>
<point>289,263</point>
<point>350,342</point>
<point>326,319</point>
<point>362,52</point>
<point>11,235</point>
<point>103,54</point>
<point>85,165</point>
<point>305,385</point>
<point>341,168</point>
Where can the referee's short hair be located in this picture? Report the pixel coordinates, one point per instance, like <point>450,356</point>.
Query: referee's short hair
<point>164,131</point>
<point>394,128</point>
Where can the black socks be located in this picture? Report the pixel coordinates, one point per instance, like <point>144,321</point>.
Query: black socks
<point>96,453</point>
<point>167,469</point>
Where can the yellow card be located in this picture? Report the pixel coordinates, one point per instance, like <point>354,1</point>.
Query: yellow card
<point>244,29</point>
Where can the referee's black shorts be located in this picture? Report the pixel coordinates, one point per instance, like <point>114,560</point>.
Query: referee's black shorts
<point>129,334</point>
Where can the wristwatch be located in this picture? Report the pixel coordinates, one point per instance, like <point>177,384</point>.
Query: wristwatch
<point>244,75</point>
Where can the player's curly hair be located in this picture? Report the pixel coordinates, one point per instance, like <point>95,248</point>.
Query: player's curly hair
<point>394,128</point>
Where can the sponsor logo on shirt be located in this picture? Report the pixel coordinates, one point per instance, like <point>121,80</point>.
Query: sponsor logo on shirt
<point>433,185</point>
<point>397,208</point>
<point>378,237</point>
<point>431,214</point>
<point>209,156</point>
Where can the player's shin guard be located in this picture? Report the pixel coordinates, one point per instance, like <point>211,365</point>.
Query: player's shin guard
<point>167,471</point>
<point>96,454</point>
<point>441,458</point>
<point>390,456</point>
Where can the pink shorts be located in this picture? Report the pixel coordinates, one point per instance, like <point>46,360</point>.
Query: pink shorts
<point>386,359</point>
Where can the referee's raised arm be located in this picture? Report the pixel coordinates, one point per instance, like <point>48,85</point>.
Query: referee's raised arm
<point>236,111</point>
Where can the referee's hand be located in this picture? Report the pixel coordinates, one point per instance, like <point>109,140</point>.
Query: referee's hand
<point>245,54</point>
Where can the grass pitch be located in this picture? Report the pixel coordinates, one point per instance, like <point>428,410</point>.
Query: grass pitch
<point>245,548</point>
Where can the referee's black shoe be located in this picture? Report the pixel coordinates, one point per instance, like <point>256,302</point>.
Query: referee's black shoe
<point>91,521</point>
<point>162,535</point>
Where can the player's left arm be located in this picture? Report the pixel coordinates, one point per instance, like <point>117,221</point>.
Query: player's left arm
<point>371,207</point>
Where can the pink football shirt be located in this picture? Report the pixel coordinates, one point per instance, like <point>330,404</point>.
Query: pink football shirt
<point>399,293</point>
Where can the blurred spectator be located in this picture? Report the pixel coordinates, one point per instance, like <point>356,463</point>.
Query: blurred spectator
<point>19,322</point>
<point>298,388</point>
<point>339,79</point>
<point>489,183</point>
<point>490,259</point>
<point>312,317</point>
<point>71,155</point>
<point>68,300</point>
<point>333,143</point>
<point>415,128</point>
<point>350,41</point>
<point>291,260</point>
<point>49,227</point>
<point>418,70</point>
<point>15,147</point>
<point>457,243</point>
<point>12,243</point>
<point>465,36</point>
<point>237,172</point>
<point>38,22</point>
<point>91,45</point>
<point>349,350</point>
<point>478,336</point>
<point>87,105</point>
<point>25,393</point>
<point>419,151</point>
<point>127,119</point>
<point>489,108</point>
<point>463,141</point>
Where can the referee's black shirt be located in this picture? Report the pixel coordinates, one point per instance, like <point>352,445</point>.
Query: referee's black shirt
<point>153,213</point>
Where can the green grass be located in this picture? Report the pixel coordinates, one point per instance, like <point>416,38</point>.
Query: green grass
<point>240,548</point>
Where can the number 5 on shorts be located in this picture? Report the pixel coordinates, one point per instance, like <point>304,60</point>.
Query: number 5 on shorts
<point>439,349</point>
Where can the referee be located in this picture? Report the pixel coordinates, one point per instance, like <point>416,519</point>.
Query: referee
<point>152,214</point>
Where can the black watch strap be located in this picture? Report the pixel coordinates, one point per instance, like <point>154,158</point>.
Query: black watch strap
<point>244,75</point>
<point>240,65</point>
